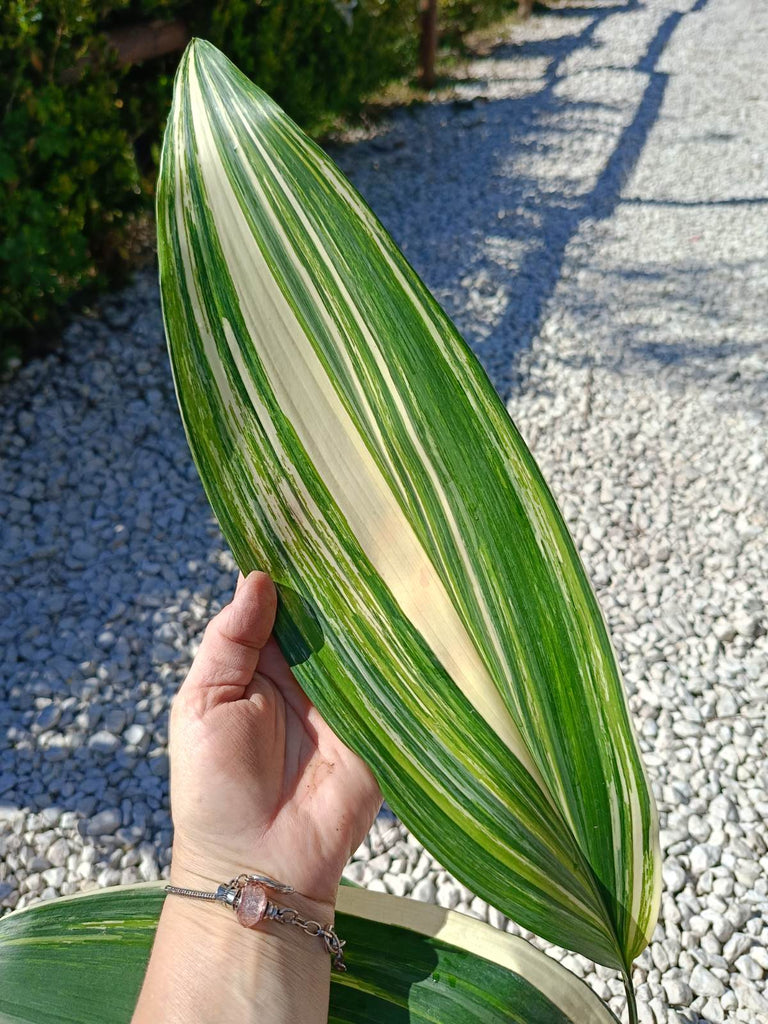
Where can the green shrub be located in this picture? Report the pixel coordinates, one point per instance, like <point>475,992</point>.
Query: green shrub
<point>80,135</point>
<point>67,174</point>
<point>317,56</point>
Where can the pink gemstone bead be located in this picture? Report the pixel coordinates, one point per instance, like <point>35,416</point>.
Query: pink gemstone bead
<point>252,904</point>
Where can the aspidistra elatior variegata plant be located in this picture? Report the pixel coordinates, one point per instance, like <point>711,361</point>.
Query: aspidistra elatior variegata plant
<point>432,601</point>
<point>407,961</point>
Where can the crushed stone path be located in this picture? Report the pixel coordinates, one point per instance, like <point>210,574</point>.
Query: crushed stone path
<point>591,208</point>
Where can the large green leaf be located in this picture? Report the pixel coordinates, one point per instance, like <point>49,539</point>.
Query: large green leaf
<point>432,600</point>
<point>81,960</point>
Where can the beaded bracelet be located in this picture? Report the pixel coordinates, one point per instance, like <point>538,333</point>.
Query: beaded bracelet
<point>247,896</point>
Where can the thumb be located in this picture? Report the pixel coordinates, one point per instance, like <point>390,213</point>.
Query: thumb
<point>229,653</point>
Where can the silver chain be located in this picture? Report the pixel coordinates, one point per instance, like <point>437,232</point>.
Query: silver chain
<point>230,894</point>
<point>196,894</point>
<point>333,944</point>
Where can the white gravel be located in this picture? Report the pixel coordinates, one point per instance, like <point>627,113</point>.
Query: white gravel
<point>592,211</point>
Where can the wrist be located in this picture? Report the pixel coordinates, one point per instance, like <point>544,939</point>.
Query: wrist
<point>214,929</point>
<point>281,943</point>
<point>194,869</point>
<point>207,967</point>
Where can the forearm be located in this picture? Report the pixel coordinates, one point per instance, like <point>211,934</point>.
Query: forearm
<point>205,968</point>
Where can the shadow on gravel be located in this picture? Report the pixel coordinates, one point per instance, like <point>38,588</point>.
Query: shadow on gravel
<point>485,194</point>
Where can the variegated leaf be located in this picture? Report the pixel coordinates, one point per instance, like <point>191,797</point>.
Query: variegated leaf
<point>433,603</point>
<point>81,960</point>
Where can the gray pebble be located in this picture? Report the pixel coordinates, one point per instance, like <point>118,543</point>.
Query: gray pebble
<point>704,856</point>
<point>447,895</point>
<point>104,823</point>
<point>148,866</point>
<point>355,871</point>
<point>704,983</point>
<point>48,717</point>
<point>114,720</point>
<point>678,993</point>
<point>747,966</point>
<point>398,885</point>
<point>674,876</point>
<point>749,996</point>
<point>55,877</point>
<point>103,742</point>
<point>136,735</point>
<point>58,852</point>
<point>425,890</point>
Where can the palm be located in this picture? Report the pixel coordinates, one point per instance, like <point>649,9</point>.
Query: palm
<point>260,781</point>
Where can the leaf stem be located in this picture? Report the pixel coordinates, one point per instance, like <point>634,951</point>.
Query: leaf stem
<point>629,988</point>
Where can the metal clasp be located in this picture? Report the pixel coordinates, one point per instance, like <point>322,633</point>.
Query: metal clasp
<point>228,893</point>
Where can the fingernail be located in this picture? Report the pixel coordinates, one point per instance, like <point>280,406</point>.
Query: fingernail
<point>243,580</point>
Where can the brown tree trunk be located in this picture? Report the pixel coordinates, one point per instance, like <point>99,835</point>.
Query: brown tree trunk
<point>135,43</point>
<point>428,42</point>
<point>525,8</point>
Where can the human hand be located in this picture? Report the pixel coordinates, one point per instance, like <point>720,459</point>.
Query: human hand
<point>259,782</point>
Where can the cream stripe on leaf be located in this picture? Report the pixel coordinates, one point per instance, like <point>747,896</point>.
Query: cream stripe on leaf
<point>407,962</point>
<point>431,597</point>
